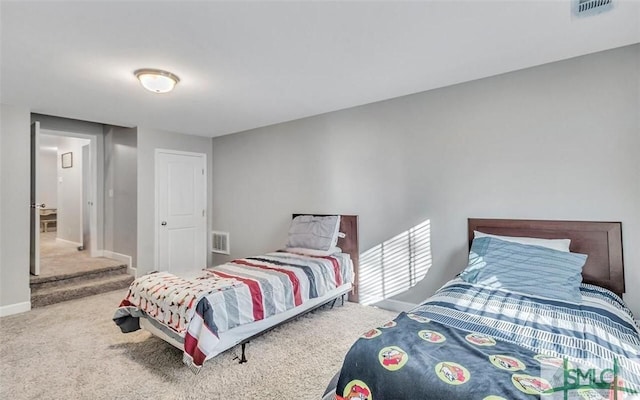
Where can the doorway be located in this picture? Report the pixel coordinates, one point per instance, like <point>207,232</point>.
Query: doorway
<point>63,186</point>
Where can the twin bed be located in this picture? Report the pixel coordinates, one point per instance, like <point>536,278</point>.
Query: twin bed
<point>515,324</point>
<point>220,307</point>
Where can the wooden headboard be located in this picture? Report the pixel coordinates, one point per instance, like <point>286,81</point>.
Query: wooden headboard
<point>601,241</point>
<point>349,245</point>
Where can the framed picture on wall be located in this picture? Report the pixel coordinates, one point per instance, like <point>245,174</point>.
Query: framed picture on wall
<point>67,160</point>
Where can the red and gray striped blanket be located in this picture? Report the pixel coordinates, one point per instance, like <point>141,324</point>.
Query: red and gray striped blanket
<point>242,291</point>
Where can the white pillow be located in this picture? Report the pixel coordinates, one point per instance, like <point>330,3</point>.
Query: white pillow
<point>555,244</point>
<point>311,232</point>
<point>313,252</point>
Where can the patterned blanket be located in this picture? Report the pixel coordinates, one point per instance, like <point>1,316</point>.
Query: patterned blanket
<point>170,299</point>
<point>472,342</point>
<point>197,311</point>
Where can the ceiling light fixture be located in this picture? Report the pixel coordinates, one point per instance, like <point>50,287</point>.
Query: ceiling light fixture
<point>156,80</point>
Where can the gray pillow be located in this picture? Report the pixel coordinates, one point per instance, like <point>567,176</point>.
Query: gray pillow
<point>319,233</point>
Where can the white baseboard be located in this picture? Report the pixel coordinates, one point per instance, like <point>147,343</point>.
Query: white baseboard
<point>77,244</point>
<point>15,308</point>
<point>395,305</point>
<point>122,258</point>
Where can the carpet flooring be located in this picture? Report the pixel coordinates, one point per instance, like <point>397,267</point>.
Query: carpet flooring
<point>73,350</point>
<point>63,258</point>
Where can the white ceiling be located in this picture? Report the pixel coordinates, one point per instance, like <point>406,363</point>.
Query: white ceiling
<point>249,64</point>
<point>51,142</point>
<point>48,142</point>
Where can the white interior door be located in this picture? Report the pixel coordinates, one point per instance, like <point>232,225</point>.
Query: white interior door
<point>34,256</point>
<point>181,244</point>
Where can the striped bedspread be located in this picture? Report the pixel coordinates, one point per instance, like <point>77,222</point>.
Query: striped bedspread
<point>474,342</point>
<point>197,311</point>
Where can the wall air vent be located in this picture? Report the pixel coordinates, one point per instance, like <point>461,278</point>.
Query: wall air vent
<point>220,242</point>
<point>590,7</point>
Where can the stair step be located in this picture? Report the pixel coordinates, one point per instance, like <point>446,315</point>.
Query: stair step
<point>50,295</point>
<point>39,282</point>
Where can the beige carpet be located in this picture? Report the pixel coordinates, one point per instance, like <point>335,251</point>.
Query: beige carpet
<point>73,350</point>
<point>63,258</point>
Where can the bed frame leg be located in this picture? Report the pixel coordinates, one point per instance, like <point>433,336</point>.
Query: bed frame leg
<point>243,358</point>
<point>333,303</point>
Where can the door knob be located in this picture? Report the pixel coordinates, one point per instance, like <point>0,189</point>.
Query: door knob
<point>36,205</point>
<point>163,223</point>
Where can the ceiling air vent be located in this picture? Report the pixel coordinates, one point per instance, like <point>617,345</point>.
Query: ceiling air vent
<point>220,242</point>
<point>591,7</point>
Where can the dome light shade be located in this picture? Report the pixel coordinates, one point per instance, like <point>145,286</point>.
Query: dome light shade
<point>156,80</point>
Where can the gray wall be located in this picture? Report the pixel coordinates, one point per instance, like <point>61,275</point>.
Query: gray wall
<point>121,191</point>
<point>558,141</point>
<point>14,205</point>
<point>70,201</point>
<point>148,141</point>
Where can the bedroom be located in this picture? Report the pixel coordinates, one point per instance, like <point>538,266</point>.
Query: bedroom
<point>557,141</point>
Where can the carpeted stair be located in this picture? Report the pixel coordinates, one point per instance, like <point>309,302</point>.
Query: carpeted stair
<point>54,289</point>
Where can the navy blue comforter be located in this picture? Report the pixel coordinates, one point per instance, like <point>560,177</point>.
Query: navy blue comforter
<point>472,342</point>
